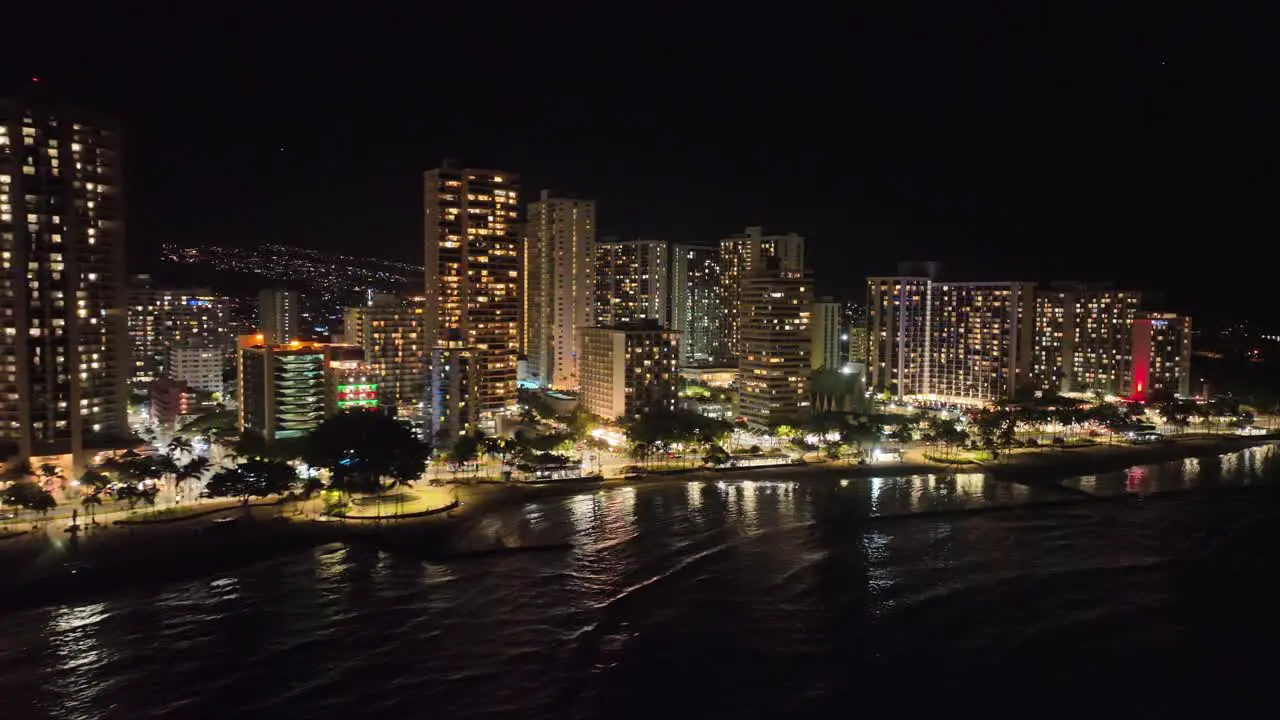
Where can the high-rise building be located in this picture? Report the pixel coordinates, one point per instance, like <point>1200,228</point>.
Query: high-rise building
<point>1101,357</point>
<point>472,258</point>
<point>63,333</point>
<point>197,367</point>
<point>392,331</point>
<point>950,342</point>
<point>629,370</point>
<point>278,315</point>
<point>286,390</point>
<point>698,309</point>
<point>1161,354</point>
<point>1083,338</point>
<point>631,282</point>
<point>979,342</point>
<point>897,334</point>
<point>559,285</point>
<point>775,309</point>
<point>855,327</point>
<point>742,255</point>
<point>162,318</point>
<point>453,379</point>
<point>826,329</point>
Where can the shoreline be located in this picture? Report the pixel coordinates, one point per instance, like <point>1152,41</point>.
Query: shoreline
<point>40,569</point>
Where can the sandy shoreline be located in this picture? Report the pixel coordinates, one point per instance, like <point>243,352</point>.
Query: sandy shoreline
<point>39,569</point>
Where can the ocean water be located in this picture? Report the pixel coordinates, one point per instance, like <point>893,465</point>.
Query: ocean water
<point>816,598</point>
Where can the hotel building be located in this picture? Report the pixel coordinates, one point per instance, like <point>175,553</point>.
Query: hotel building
<point>1161,354</point>
<point>63,329</point>
<point>278,315</point>
<point>631,282</point>
<point>161,319</point>
<point>286,390</point>
<point>774,310</point>
<point>897,334</point>
<point>855,325</point>
<point>472,260</point>
<point>698,307</point>
<point>742,255</point>
<point>967,343</point>
<point>979,340</point>
<point>826,327</point>
<point>559,285</point>
<point>1083,338</point>
<point>629,370</point>
<point>199,368</point>
<point>392,331</point>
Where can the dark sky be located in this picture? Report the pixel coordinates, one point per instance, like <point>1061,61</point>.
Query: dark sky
<point>1008,143</point>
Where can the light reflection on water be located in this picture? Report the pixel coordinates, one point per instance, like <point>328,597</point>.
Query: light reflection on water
<point>1237,469</point>
<point>761,582</point>
<point>77,662</point>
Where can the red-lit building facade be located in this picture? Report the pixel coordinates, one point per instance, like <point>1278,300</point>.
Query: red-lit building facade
<point>1161,354</point>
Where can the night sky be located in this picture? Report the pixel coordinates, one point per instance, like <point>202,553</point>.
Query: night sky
<point>1009,144</point>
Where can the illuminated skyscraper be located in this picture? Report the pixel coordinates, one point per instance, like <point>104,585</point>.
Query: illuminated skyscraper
<point>631,282</point>
<point>392,331</point>
<point>825,326</point>
<point>897,333</point>
<point>162,319</point>
<point>64,365</point>
<point>855,324</point>
<point>1161,354</point>
<point>742,256</point>
<point>979,341</point>
<point>278,315</point>
<point>1083,338</point>
<point>559,285</point>
<point>952,342</point>
<point>775,311</point>
<point>698,308</point>
<point>473,278</point>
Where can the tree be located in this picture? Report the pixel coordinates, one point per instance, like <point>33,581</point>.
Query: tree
<point>865,432</point>
<point>1176,413</point>
<point>51,476</point>
<point>90,503</point>
<point>640,451</point>
<point>256,477</point>
<point>193,469</point>
<point>579,423</point>
<point>180,446</point>
<point>716,456</point>
<point>465,450</point>
<point>696,391</point>
<point>499,446</point>
<point>944,432</point>
<point>134,494</point>
<point>361,448</point>
<point>95,481</point>
<point>29,495</point>
<point>903,431</point>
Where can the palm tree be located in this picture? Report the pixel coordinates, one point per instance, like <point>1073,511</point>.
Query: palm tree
<point>180,446</point>
<point>96,481</point>
<point>193,469</point>
<point>90,502</point>
<point>50,473</point>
